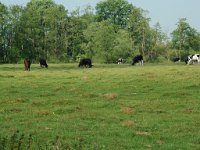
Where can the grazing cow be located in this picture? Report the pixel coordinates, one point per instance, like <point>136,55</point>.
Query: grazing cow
<point>137,59</point>
<point>27,64</point>
<point>43,63</point>
<point>120,61</point>
<point>85,62</point>
<point>193,58</point>
<point>175,59</point>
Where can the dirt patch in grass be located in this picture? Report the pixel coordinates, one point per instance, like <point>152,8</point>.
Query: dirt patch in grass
<point>189,110</point>
<point>85,78</point>
<point>43,113</point>
<point>109,95</point>
<point>13,110</point>
<point>160,142</point>
<point>14,101</point>
<point>37,104</point>
<point>7,76</point>
<point>143,133</point>
<point>128,123</point>
<point>59,88</point>
<point>44,128</point>
<point>61,102</point>
<point>47,94</point>
<point>126,110</point>
<point>90,95</point>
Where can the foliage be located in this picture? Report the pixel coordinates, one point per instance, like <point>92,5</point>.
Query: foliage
<point>123,46</point>
<point>185,38</point>
<point>157,46</point>
<point>113,29</point>
<point>44,31</point>
<point>3,35</point>
<point>76,26</point>
<point>101,40</point>
<point>117,11</point>
<point>139,29</point>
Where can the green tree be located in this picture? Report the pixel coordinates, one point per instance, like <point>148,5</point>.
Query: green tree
<point>117,11</point>
<point>44,29</point>
<point>55,31</point>
<point>194,40</point>
<point>78,23</point>
<point>157,42</point>
<point>3,29</point>
<point>100,37</point>
<point>139,29</point>
<point>185,38</point>
<point>13,33</point>
<point>123,46</point>
<point>76,27</point>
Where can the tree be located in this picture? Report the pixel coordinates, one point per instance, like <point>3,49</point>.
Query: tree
<point>139,29</point>
<point>13,33</point>
<point>157,42</point>
<point>194,40</point>
<point>3,29</point>
<point>100,37</point>
<point>55,31</point>
<point>185,38</point>
<point>117,11</point>
<point>123,46</point>
<point>76,27</point>
<point>44,29</point>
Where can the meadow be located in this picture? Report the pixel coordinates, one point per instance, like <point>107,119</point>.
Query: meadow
<point>104,107</point>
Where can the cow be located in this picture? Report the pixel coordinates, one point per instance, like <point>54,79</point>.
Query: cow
<point>193,58</point>
<point>120,61</point>
<point>27,64</point>
<point>175,59</point>
<point>85,62</point>
<point>137,59</point>
<point>43,63</point>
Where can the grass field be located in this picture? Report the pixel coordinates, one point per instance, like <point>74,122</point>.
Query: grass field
<point>104,107</point>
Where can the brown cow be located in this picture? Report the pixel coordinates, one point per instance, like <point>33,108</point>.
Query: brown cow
<point>27,64</point>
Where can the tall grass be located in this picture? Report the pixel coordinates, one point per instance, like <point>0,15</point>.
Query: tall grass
<point>105,107</point>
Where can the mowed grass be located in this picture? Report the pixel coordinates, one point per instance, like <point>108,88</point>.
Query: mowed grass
<point>104,107</point>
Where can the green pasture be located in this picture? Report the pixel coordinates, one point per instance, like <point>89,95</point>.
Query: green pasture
<point>105,107</point>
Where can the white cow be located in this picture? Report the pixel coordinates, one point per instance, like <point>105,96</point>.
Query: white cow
<point>193,58</point>
<point>120,61</point>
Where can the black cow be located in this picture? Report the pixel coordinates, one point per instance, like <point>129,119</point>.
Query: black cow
<point>43,63</point>
<point>137,59</point>
<point>27,64</point>
<point>175,59</point>
<point>85,62</point>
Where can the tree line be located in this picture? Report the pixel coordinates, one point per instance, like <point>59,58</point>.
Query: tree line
<point>113,29</point>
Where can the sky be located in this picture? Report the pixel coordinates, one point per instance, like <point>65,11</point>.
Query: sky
<point>166,12</point>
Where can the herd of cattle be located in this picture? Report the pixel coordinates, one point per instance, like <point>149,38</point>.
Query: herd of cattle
<point>87,63</point>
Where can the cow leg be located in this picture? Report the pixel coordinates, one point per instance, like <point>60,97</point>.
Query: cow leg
<point>25,68</point>
<point>142,62</point>
<point>189,61</point>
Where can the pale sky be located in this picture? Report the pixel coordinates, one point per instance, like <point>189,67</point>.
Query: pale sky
<point>166,12</point>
